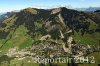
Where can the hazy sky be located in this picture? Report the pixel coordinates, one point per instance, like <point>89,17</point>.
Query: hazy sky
<point>10,5</point>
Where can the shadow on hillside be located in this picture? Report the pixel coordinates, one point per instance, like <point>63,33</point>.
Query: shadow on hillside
<point>5,58</point>
<point>3,34</point>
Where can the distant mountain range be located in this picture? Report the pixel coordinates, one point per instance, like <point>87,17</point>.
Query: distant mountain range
<point>88,9</point>
<point>1,13</point>
<point>6,15</point>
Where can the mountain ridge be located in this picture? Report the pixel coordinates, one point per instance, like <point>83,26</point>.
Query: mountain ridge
<point>51,21</point>
<point>89,9</point>
<point>44,33</point>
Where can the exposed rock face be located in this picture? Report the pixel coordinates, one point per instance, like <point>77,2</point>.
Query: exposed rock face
<point>45,37</point>
<point>56,10</point>
<point>68,48</point>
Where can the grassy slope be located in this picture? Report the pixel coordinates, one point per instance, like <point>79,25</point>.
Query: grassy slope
<point>96,56</point>
<point>87,39</point>
<point>25,61</point>
<point>18,39</point>
<point>91,39</point>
